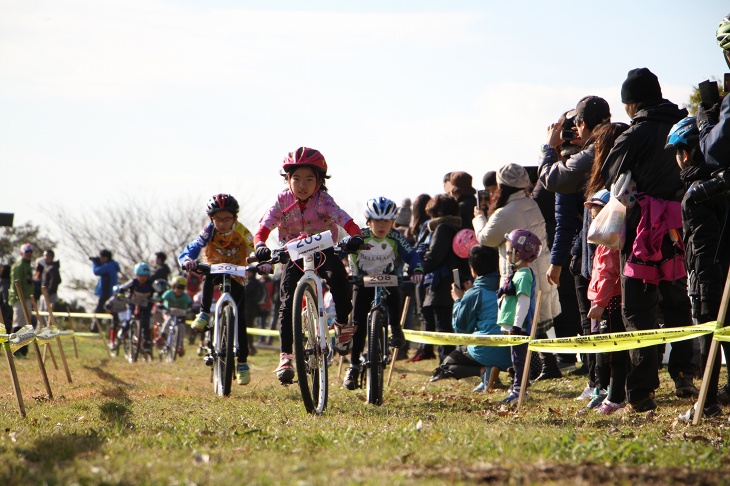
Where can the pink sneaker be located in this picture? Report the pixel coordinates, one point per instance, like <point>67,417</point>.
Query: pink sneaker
<point>608,407</point>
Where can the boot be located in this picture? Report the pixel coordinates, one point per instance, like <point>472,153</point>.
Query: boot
<point>550,370</point>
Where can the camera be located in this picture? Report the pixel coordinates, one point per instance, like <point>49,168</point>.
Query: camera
<point>95,259</point>
<point>568,134</point>
<point>709,93</point>
<point>719,184</point>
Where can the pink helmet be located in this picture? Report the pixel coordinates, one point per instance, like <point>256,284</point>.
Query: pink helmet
<point>464,241</point>
<point>525,243</point>
<point>304,156</point>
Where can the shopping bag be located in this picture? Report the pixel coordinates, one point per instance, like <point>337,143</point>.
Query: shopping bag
<point>609,228</point>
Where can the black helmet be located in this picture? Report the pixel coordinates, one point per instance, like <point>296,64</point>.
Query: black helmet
<point>222,202</point>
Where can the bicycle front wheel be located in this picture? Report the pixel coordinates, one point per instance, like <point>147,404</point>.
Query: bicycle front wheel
<point>376,357</point>
<point>135,340</point>
<point>224,358</point>
<point>310,355</point>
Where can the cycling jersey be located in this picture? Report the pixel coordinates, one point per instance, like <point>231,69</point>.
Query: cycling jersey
<point>382,255</point>
<point>232,247</point>
<point>172,301</point>
<point>141,293</point>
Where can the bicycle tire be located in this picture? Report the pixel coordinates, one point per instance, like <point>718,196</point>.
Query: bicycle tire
<point>310,357</point>
<point>135,340</point>
<point>113,351</point>
<point>176,341</point>
<point>224,359</point>
<point>376,360</point>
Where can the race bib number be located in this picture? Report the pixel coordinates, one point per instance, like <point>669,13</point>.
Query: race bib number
<point>299,248</point>
<point>380,280</point>
<point>229,269</point>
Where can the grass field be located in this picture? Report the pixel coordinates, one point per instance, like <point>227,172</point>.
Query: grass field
<point>159,423</point>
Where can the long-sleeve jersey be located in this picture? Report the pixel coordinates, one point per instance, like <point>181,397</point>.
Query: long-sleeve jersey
<point>382,255</point>
<point>141,293</point>
<point>216,247</point>
<point>293,217</point>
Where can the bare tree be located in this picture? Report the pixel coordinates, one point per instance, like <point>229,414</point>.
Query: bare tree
<point>133,230</point>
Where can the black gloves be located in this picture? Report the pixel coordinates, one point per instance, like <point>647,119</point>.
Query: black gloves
<point>353,243</point>
<point>515,331</point>
<point>263,253</point>
<point>709,115</point>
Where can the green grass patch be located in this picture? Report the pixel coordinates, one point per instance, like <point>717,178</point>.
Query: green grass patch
<point>159,423</point>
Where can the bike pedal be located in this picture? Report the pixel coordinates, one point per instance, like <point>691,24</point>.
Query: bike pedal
<point>209,360</point>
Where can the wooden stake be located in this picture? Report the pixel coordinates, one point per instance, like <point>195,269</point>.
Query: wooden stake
<point>526,371</point>
<point>26,314</point>
<point>403,318</point>
<point>46,346</point>
<point>721,316</point>
<point>52,320</point>
<point>13,372</point>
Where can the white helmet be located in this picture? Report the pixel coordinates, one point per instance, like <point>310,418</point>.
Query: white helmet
<point>381,208</point>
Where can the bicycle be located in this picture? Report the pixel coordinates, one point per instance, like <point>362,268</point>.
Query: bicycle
<point>175,335</point>
<point>118,307</point>
<point>222,343</point>
<point>311,341</point>
<point>378,354</point>
<point>133,340</point>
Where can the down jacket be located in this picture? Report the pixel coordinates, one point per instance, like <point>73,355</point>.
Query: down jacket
<point>521,212</point>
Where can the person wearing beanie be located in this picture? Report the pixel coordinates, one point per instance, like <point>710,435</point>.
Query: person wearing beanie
<point>640,150</point>
<point>460,188</point>
<point>403,218</point>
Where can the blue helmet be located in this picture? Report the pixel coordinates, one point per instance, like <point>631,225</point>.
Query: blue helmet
<point>684,133</point>
<point>142,269</point>
<point>381,208</point>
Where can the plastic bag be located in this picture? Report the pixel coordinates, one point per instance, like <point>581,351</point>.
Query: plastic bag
<point>609,228</point>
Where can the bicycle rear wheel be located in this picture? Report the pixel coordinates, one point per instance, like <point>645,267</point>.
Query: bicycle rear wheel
<point>309,354</point>
<point>224,358</point>
<point>376,357</point>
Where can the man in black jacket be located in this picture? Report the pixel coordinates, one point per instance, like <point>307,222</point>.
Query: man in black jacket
<point>640,149</point>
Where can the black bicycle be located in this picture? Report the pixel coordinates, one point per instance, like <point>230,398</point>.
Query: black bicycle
<point>379,354</point>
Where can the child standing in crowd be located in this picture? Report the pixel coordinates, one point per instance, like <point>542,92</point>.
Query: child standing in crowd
<point>306,207</point>
<point>704,221</point>
<point>383,246</point>
<point>517,299</point>
<point>223,240</point>
<point>140,288</point>
<point>604,292</point>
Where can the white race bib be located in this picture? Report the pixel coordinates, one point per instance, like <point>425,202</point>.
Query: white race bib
<point>299,248</point>
<point>380,280</point>
<point>229,269</point>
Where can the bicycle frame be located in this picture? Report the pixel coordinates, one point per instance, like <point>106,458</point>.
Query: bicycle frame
<point>310,275</point>
<point>225,297</point>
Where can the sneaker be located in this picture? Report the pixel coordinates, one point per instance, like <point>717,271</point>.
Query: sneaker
<point>480,387</point>
<point>712,410</point>
<point>645,405</point>
<point>579,371</point>
<point>723,395</point>
<point>352,377</point>
<point>597,398</point>
<point>586,394</point>
<point>244,375</point>
<point>421,357</point>
<point>512,398</point>
<point>343,337</point>
<point>181,351</point>
<point>685,387</point>
<point>200,322</point>
<point>397,338</point>
<point>285,370</point>
<point>549,374</point>
<point>608,407</point>
<point>201,350</point>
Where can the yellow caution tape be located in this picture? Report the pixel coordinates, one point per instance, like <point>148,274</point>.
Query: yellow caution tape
<point>463,339</point>
<point>621,341</point>
<point>47,334</point>
<point>83,315</point>
<point>22,337</point>
<point>722,334</point>
<point>262,332</point>
<point>4,338</point>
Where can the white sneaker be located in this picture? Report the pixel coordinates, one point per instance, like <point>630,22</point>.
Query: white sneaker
<point>586,394</point>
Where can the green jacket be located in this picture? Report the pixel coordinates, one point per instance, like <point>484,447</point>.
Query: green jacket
<point>22,271</point>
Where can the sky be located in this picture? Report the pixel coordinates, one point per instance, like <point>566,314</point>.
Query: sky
<point>178,100</point>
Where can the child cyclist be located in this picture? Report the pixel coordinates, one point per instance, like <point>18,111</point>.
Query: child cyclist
<point>175,298</point>
<point>223,240</point>
<point>517,299</point>
<point>306,207</point>
<point>383,246</point>
<point>140,289</point>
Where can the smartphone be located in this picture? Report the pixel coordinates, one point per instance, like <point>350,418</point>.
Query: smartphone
<point>482,195</point>
<point>457,280</point>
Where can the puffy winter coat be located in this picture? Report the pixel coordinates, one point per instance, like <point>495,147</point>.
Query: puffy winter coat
<point>521,212</point>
